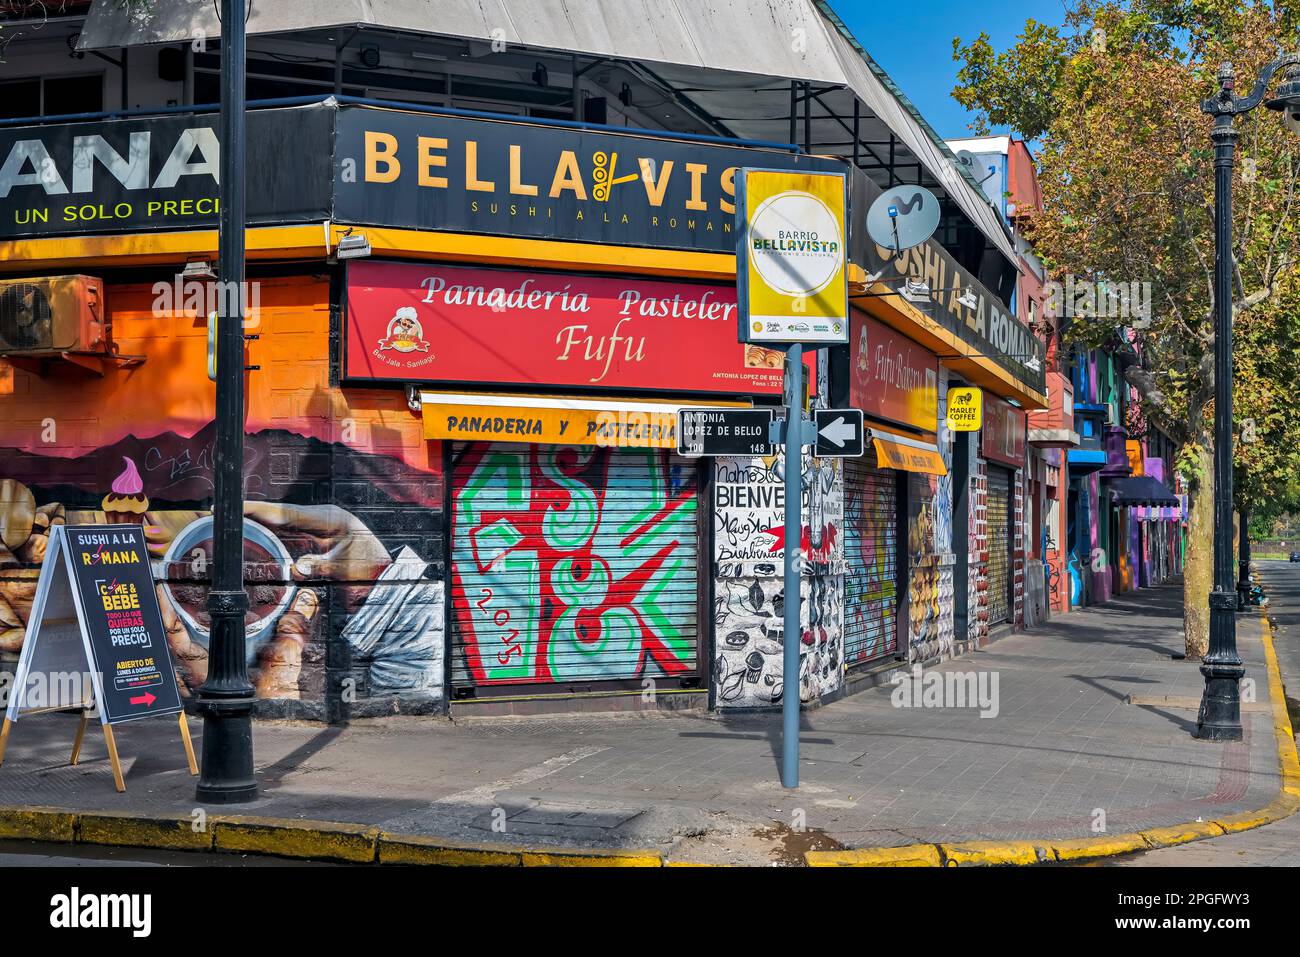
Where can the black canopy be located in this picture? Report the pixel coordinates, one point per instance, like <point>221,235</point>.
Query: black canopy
<point>1140,490</point>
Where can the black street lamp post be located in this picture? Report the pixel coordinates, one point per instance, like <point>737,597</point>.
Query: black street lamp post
<point>1220,714</point>
<point>226,698</point>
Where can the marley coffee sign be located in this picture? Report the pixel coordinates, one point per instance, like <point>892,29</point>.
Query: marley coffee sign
<point>791,262</point>
<point>158,173</point>
<point>453,324</point>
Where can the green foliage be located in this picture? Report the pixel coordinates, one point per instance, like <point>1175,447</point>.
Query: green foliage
<point>1016,88</point>
<point>1126,169</point>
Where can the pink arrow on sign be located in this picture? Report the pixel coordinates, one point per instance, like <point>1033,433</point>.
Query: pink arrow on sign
<point>145,699</point>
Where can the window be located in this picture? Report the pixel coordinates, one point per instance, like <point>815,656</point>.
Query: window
<point>51,96</point>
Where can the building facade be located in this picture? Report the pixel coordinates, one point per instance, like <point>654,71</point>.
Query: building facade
<point>482,283</point>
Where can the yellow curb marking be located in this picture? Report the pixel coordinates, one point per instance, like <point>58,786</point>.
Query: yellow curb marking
<point>1022,852</point>
<point>291,838</point>
<point>361,844</point>
<point>176,834</point>
<point>909,855</point>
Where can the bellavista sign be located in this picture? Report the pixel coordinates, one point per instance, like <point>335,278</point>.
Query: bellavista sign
<point>452,324</point>
<point>791,261</point>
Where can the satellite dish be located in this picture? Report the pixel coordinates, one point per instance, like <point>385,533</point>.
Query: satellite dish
<point>981,174</point>
<point>903,217</point>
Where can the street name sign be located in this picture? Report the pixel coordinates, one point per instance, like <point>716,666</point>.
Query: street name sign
<point>724,432</point>
<point>839,433</point>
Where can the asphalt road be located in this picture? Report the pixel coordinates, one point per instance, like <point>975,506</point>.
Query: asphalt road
<point>38,854</point>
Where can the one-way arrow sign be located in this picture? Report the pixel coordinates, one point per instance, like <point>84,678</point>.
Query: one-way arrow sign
<point>839,433</point>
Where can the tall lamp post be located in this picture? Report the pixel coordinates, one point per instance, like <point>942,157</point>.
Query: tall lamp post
<point>1220,715</point>
<point>226,698</point>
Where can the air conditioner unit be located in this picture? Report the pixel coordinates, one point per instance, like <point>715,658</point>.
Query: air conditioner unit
<point>52,316</point>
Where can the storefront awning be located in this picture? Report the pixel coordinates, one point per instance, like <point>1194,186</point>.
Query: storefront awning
<point>554,420</point>
<point>907,454</point>
<point>1140,490</point>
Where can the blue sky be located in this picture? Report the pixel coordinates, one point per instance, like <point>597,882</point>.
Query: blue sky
<point>913,42</point>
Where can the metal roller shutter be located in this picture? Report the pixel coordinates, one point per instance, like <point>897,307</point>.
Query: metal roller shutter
<point>871,563</point>
<point>572,565</point>
<point>997,515</point>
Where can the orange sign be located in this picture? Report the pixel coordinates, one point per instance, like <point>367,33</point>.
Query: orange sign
<point>907,458</point>
<point>620,425</point>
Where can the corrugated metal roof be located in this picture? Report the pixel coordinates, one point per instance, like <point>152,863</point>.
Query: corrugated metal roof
<point>728,56</point>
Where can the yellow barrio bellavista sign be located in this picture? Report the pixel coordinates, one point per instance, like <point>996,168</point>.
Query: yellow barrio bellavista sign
<point>793,258</point>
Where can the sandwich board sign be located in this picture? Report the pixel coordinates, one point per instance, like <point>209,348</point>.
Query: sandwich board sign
<point>95,641</point>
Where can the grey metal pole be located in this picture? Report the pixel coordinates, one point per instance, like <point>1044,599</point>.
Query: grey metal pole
<point>226,698</point>
<point>790,584</point>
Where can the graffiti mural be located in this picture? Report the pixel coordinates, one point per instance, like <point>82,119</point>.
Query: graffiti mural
<point>573,564</point>
<point>344,526</point>
<point>749,514</point>
<point>304,563</point>
<point>749,609</point>
<point>923,606</point>
<point>749,667</point>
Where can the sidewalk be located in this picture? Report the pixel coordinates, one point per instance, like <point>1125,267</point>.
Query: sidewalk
<point>1064,749</point>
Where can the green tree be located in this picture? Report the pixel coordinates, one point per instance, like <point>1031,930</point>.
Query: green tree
<point>1126,168</point>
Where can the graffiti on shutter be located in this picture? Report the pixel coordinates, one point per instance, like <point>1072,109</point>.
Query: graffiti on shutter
<point>998,515</point>
<point>871,563</point>
<point>572,564</point>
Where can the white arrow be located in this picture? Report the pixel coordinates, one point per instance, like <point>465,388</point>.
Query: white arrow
<point>839,432</point>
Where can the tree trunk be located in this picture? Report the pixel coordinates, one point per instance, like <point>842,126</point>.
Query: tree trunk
<point>1198,569</point>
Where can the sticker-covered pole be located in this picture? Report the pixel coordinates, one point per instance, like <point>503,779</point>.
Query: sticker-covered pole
<point>793,539</point>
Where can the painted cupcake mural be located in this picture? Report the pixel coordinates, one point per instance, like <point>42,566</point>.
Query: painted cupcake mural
<point>126,503</point>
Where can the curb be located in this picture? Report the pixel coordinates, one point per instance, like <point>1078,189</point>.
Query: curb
<point>360,844</point>
<point>1022,853</point>
<point>287,837</point>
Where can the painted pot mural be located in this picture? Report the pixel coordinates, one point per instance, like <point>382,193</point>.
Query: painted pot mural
<point>343,557</point>
<point>303,563</point>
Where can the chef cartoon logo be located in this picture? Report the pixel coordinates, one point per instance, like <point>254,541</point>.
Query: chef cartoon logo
<point>404,333</point>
